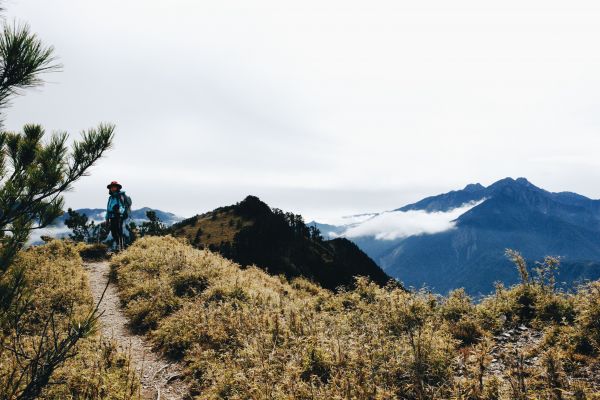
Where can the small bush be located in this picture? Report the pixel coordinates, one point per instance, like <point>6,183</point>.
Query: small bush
<point>92,252</point>
<point>587,326</point>
<point>525,299</point>
<point>459,313</point>
<point>146,312</point>
<point>491,389</point>
<point>220,294</point>
<point>99,371</point>
<point>467,330</point>
<point>456,305</point>
<point>315,366</point>
<point>555,308</point>
<point>189,284</point>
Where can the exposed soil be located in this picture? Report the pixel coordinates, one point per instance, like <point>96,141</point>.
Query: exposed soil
<point>160,378</point>
<point>516,352</point>
<point>513,344</point>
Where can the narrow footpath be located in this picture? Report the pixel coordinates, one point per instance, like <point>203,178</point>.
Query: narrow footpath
<point>161,378</point>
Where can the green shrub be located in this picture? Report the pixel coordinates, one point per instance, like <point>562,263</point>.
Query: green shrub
<point>460,314</point>
<point>525,302</point>
<point>555,308</point>
<point>315,365</point>
<point>587,326</point>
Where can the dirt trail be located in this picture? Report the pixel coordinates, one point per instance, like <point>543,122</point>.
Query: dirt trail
<point>160,378</point>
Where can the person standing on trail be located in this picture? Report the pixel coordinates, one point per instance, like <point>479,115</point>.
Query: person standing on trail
<point>117,211</point>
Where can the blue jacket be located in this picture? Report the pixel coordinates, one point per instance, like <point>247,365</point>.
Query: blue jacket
<point>115,199</point>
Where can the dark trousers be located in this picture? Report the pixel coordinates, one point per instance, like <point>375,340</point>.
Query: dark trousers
<point>116,229</point>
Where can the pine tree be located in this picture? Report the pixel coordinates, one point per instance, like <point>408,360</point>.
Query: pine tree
<point>35,170</point>
<point>84,230</point>
<point>78,223</point>
<point>154,226</point>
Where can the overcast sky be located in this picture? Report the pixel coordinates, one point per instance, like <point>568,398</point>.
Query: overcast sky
<point>321,107</point>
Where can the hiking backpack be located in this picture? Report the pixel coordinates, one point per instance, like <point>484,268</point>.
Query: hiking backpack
<point>126,201</point>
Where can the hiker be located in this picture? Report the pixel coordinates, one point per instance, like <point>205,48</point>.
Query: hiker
<point>117,211</point>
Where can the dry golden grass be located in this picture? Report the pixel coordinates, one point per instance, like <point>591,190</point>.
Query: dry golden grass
<point>215,230</point>
<point>244,334</point>
<point>58,285</point>
<point>251,335</point>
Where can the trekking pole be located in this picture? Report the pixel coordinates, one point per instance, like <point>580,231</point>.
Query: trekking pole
<point>123,232</point>
<point>123,225</point>
<point>129,229</point>
<point>120,232</point>
<point>100,232</point>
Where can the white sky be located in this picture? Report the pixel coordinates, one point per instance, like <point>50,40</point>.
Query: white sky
<point>321,107</point>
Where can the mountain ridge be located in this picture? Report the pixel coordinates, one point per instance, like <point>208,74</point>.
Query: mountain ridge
<point>251,233</point>
<point>509,213</point>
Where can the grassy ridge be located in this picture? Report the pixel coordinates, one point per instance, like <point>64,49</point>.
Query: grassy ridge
<point>216,227</point>
<point>245,334</point>
<point>56,284</point>
<point>252,233</point>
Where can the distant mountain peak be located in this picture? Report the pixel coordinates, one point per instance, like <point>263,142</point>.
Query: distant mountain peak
<point>516,184</point>
<point>475,192</point>
<point>474,187</point>
<point>515,214</point>
<point>509,213</point>
<point>508,181</point>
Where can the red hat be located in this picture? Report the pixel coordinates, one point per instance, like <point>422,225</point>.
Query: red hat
<point>114,183</point>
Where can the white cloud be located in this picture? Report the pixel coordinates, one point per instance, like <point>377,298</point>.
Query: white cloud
<point>54,231</point>
<point>348,220</point>
<point>400,224</point>
<point>322,108</point>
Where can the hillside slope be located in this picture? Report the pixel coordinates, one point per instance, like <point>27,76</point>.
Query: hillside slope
<point>250,232</point>
<point>242,333</point>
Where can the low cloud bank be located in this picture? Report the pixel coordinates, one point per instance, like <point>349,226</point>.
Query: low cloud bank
<point>347,220</point>
<point>400,224</point>
<point>58,231</point>
<point>55,232</point>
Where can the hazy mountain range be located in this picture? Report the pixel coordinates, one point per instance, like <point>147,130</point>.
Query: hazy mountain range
<point>455,239</point>
<point>58,228</point>
<point>139,215</point>
<point>458,239</point>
